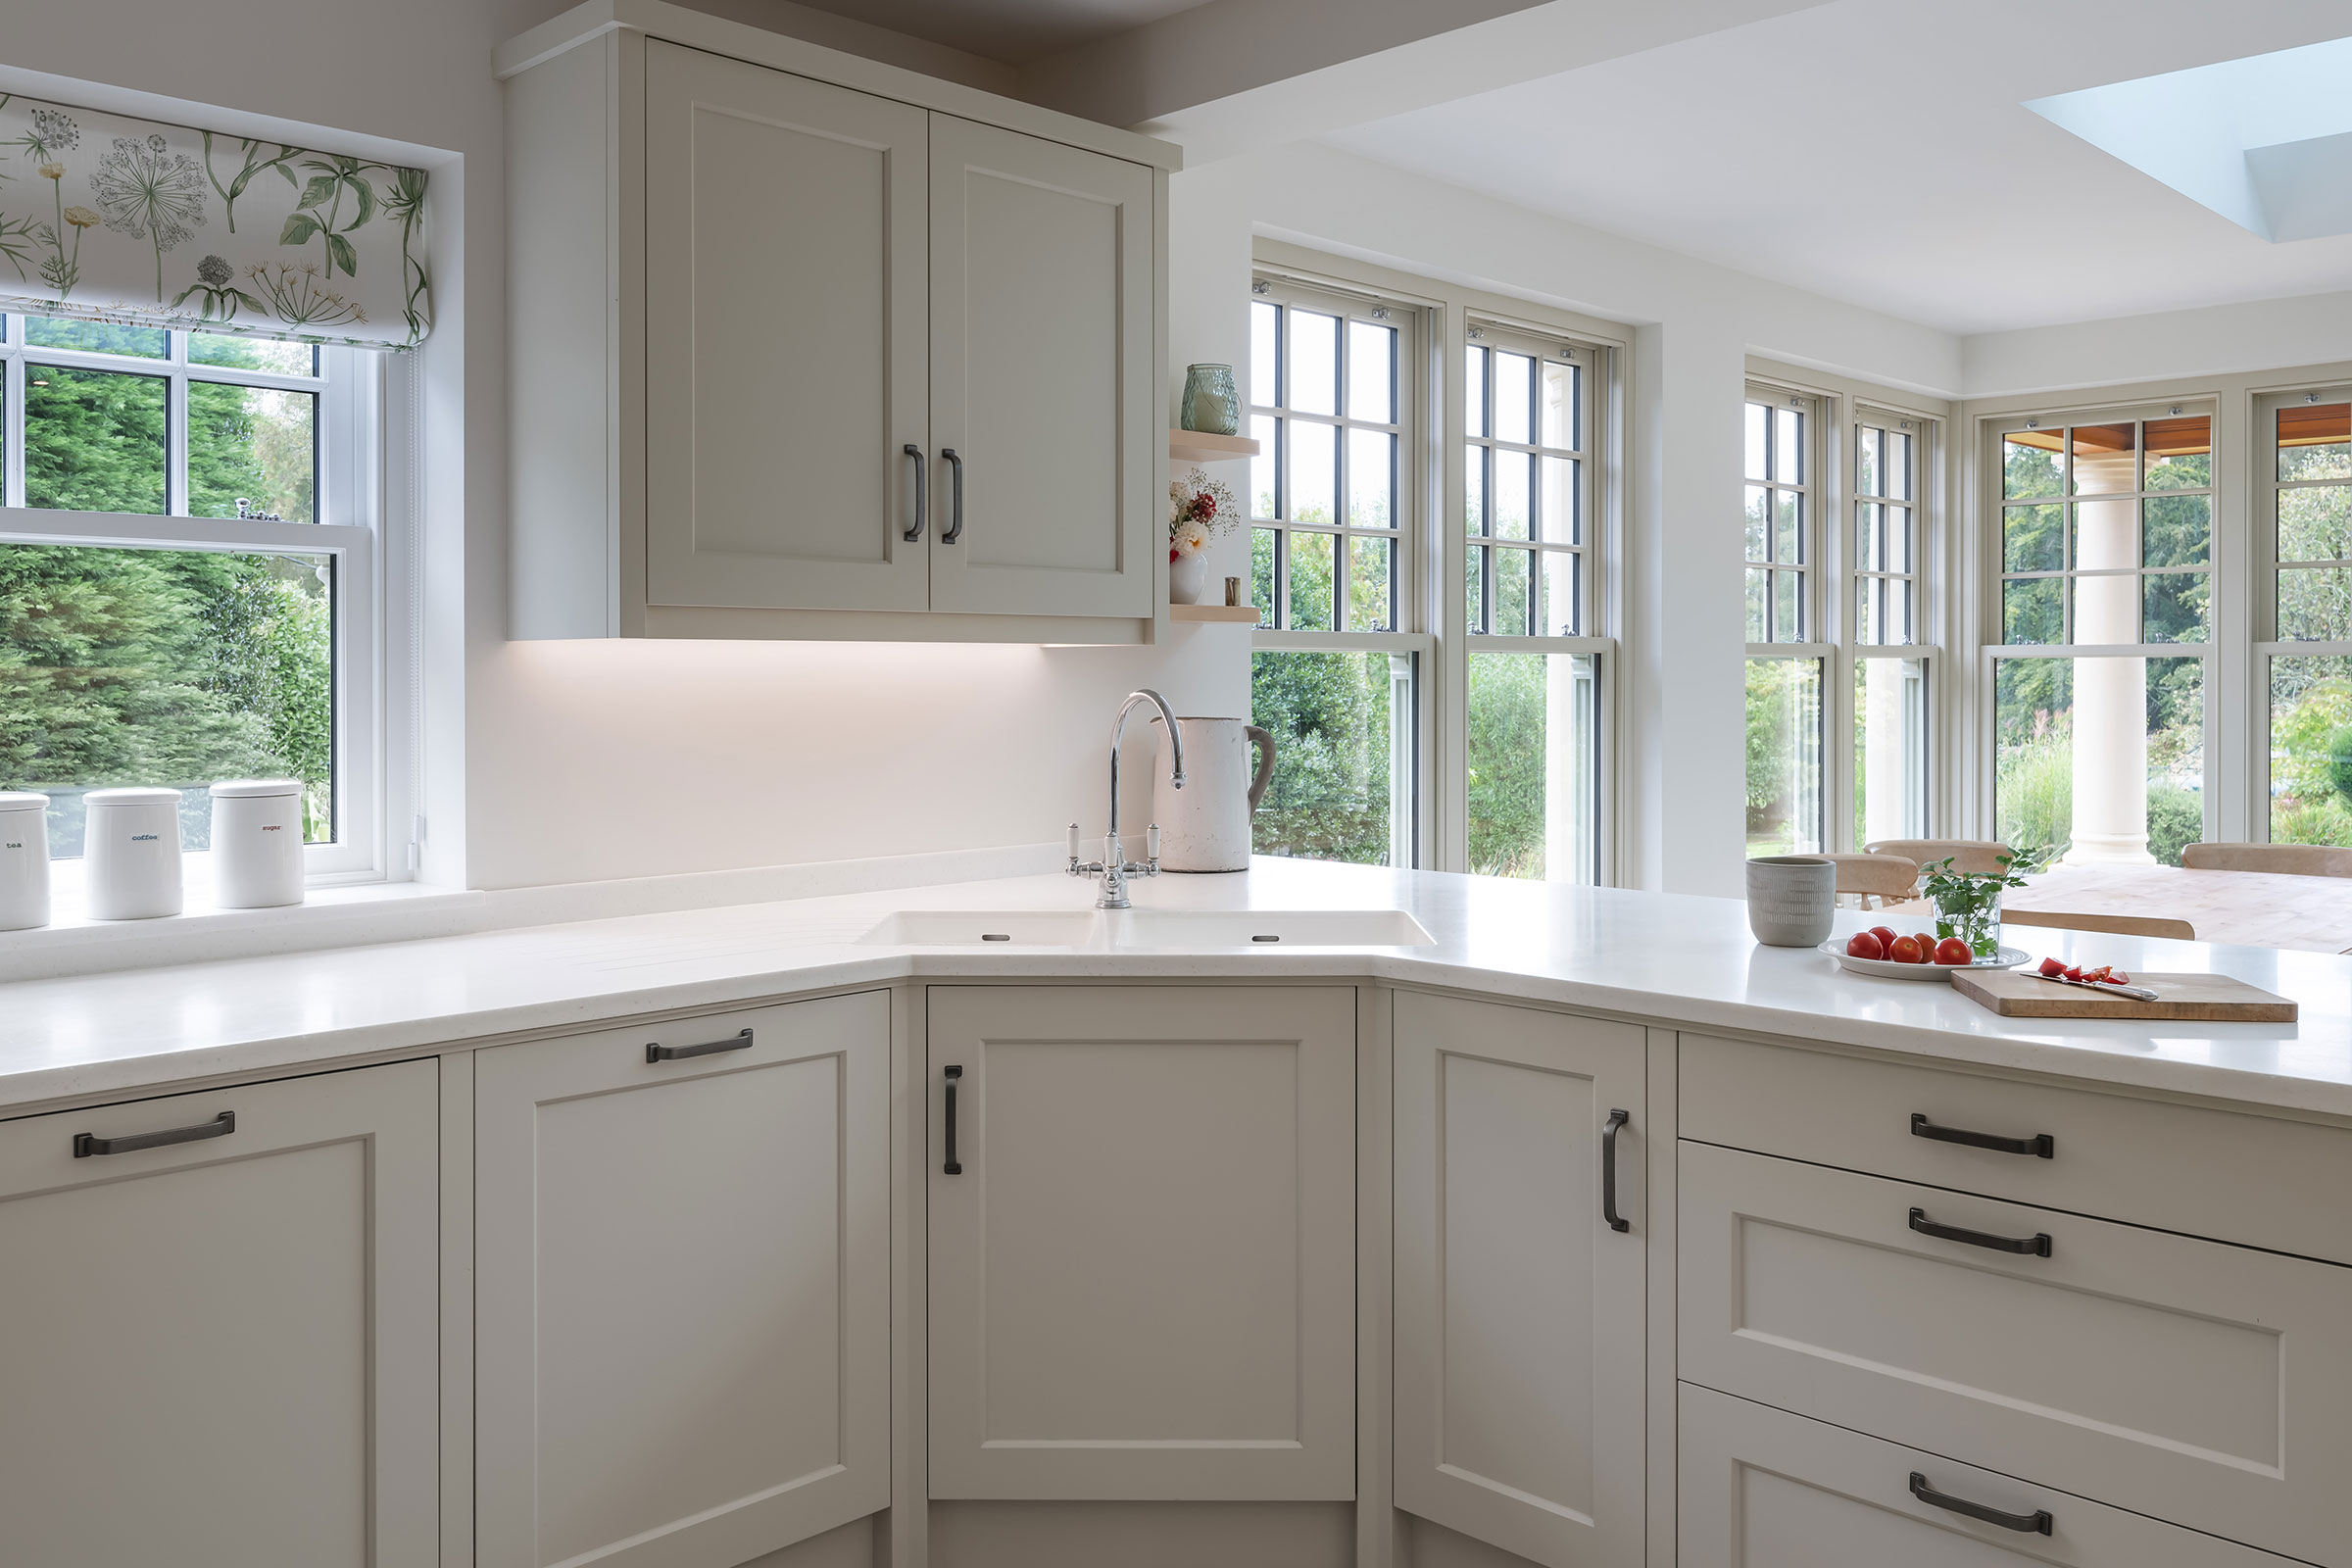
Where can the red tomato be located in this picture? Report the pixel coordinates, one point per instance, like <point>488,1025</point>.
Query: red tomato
<point>1951,949</point>
<point>1926,942</point>
<point>1906,950</point>
<point>1884,934</point>
<point>1866,945</point>
<point>2118,977</point>
<point>2075,973</point>
<point>2052,966</point>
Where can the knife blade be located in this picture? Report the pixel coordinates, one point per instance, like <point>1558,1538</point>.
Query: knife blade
<point>2136,993</point>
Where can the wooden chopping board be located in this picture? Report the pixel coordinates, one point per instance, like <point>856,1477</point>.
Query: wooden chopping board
<point>2207,998</point>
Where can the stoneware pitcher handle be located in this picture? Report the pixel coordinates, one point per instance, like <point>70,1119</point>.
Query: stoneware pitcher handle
<point>1265,763</point>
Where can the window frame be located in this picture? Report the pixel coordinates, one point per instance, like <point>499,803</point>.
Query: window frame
<point>1817,472</point>
<point>1991,619</point>
<point>1923,649</point>
<point>348,456</point>
<point>2264,645</point>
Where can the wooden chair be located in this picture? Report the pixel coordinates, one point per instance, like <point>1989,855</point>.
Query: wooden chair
<point>1877,880</point>
<point>2122,925</point>
<point>1966,854</point>
<point>2286,859</point>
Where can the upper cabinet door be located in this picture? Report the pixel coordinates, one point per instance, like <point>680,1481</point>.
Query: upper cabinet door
<point>785,339</point>
<point>1519,1414</point>
<point>1040,377</point>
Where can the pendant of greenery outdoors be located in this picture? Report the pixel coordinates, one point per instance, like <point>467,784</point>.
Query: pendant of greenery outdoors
<point>1968,904</point>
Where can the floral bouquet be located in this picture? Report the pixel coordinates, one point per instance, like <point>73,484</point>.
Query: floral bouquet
<point>1200,508</point>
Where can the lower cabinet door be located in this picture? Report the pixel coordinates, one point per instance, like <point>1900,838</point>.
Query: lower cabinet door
<point>1519,1405</point>
<point>1760,1487</point>
<point>1143,1243</point>
<point>220,1349</point>
<point>682,1286</point>
<point>2207,1385</point>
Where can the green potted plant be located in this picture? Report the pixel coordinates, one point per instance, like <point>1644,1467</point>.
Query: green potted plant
<point>1968,904</point>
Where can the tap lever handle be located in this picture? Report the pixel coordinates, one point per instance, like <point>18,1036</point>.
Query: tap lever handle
<point>1152,845</point>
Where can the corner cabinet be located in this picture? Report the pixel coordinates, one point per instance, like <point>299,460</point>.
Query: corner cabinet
<point>805,346</point>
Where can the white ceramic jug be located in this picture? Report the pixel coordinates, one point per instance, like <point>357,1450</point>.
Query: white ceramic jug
<point>1204,826</point>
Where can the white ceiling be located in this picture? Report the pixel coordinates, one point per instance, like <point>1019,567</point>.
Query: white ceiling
<point>1013,31</point>
<point>1877,151</point>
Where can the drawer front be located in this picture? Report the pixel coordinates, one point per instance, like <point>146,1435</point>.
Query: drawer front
<point>2204,1384</point>
<point>2256,1180</point>
<point>1763,1488</point>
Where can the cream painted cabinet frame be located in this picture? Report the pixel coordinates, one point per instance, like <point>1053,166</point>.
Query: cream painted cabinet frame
<point>1520,1393</point>
<point>682,1286</point>
<point>221,1347</point>
<point>1142,1248</point>
<point>760,290</point>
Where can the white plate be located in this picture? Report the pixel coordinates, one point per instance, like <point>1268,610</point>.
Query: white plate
<point>1888,969</point>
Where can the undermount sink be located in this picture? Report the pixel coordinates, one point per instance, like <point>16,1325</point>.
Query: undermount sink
<point>1149,928</point>
<point>1295,928</point>
<point>951,928</point>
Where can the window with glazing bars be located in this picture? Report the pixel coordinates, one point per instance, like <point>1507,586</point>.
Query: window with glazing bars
<point>1523,484</point>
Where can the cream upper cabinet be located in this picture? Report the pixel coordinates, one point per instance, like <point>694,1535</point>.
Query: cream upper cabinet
<point>1041,360</point>
<point>784,339</point>
<point>1519,1394</point>
<point>1142,1243</point>
<point>682,1286</point>
<point>222,1329</point>
<point>796,351</point>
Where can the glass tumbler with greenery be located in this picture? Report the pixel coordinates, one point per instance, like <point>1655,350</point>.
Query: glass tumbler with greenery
<point>1968,904</point>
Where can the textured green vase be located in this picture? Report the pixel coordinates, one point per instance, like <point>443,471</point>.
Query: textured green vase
<point>1210,404</point>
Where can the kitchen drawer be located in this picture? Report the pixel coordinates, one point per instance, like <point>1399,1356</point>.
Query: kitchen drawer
<point>2204,1384</point>
<point>2257,1180</point>
<point>1763,1488</point>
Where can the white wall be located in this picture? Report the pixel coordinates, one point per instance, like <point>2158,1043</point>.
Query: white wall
<point>2217,340</point>
<point>753,754</point>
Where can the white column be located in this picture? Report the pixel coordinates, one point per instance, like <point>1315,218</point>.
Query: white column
<point>1885,751</point>
<point>2110,695</point>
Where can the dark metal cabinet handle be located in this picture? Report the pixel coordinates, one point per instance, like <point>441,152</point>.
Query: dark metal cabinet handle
<point>1608,1170</point>
<point>88,1144</point>
<point>955,492</point>
<point>2037,1244</point>
<point>2042,1146</point>
<point>951,1166</point>
<point>922,490</point>
<point>2037,1522</point>
<point>658,1052</point>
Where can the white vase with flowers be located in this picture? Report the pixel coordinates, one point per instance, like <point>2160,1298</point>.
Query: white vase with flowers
<point>1200,511</point>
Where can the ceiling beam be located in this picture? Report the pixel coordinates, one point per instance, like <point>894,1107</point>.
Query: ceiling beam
<point>1232,77</point>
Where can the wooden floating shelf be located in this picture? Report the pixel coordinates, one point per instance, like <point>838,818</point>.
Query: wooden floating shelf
<point>1233,614</point>
<point>1198,446</point>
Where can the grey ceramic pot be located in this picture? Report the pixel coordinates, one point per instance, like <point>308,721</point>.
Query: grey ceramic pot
<point>1791,899</point>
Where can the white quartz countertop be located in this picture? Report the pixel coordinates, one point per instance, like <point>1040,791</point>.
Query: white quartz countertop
<point>1680,960</point>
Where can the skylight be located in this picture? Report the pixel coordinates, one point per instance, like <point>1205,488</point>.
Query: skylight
<point>2264,141</point>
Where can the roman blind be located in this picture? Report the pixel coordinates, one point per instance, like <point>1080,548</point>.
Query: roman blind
<point>115,218</point>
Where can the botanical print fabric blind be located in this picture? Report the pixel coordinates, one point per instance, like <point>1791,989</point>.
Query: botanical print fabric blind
<point>131,221</point>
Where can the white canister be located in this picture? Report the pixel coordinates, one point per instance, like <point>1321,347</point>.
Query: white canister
<point>23,861</point>
<point>130,853</point>
<point>257,843</point>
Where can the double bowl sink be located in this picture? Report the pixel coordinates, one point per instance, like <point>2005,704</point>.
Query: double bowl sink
<point>1259,929</point>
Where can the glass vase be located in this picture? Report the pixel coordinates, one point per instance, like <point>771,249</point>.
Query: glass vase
<point>1973,915</point>
<point>1211,406</point>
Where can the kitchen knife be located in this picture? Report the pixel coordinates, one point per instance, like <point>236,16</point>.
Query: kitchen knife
<point>2136,993</point>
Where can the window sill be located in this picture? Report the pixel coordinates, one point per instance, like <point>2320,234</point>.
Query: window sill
<point>331,915</point>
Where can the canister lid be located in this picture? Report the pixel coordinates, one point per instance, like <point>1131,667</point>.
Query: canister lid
<point>138,796</point>
<point>14,801</point>
<point>237,789</point>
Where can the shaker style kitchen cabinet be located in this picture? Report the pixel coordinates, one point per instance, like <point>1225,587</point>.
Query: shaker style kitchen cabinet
<point>807,346</point>
<point>1142,1243</point>
<point>1519,1381</point>
<point>682,1286</point>
<point>222,1342</point>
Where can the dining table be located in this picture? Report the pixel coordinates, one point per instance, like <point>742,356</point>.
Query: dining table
<point>2251,909</point>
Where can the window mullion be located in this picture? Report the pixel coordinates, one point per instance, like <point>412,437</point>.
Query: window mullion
<point>12,482</point>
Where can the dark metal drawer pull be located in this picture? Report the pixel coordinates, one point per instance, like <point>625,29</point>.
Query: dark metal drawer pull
<point>88,1144</point>
<point>951,1166</point>
<point>2040,1146</point>
<point>2037,1245</point>
<point>655,1052</point>
<point>923,491</point>
<point>2037,1522</point>
<point>1609,1171</point>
